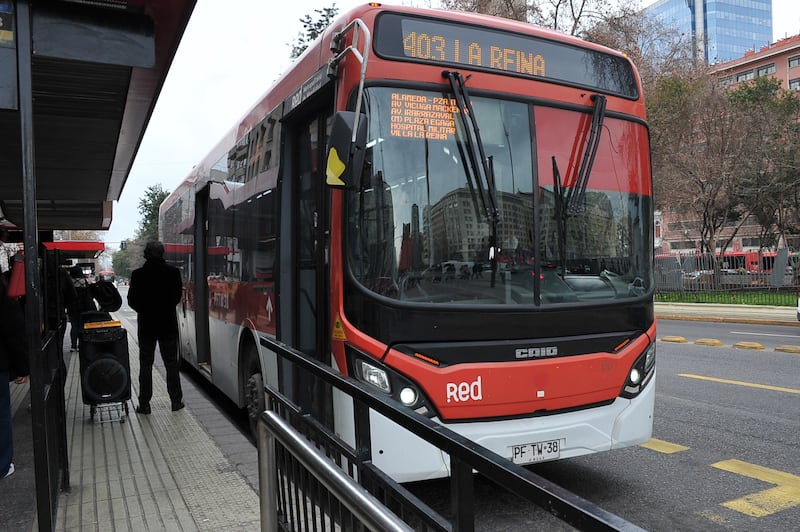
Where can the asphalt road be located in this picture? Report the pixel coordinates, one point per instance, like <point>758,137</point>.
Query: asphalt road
<point>767,337</point>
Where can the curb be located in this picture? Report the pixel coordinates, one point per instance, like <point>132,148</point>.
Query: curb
<point>727,319</point>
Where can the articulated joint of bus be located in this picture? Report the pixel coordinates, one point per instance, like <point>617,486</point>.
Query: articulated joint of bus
<point>368,370</point>
<point>641,372</point>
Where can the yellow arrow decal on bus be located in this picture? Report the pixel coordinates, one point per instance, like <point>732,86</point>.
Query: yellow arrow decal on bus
<point>335,169</point>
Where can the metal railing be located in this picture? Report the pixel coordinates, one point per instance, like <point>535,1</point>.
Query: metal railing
<point>358,507</point>
<point>292,501</point>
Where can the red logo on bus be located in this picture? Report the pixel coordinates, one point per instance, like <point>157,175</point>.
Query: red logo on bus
<point>464,391</point>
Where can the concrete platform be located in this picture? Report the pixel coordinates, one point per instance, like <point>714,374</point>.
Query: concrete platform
<point>162,472</point>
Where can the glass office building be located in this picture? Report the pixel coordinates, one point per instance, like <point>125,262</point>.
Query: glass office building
<point>721,29</point>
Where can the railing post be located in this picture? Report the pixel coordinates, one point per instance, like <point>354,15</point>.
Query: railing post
<point>363,435</point>
<point>462,495</point>
<point>267,477</point>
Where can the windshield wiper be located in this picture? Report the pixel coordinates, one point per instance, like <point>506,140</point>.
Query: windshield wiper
<point>560,216</point>
<point>574,196</point>
<point>480,166</point>
<point>569,200</point>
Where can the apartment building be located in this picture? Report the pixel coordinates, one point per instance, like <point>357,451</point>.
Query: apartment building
<point>780,60</point>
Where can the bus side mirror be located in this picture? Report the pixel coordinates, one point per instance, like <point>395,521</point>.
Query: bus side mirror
<point>345,158</point>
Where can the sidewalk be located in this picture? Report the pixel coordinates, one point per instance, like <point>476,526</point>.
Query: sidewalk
<point>150,473</point>
<point>757,314</point>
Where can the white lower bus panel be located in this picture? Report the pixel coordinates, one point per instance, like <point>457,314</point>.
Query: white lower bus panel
<point>407,458</point>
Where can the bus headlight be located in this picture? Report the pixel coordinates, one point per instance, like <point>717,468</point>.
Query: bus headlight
<point>373,375</point>
<point>402,389</point>
<point>641,372</point>
<point>408,396</point>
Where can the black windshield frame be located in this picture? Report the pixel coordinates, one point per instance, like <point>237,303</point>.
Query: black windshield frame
<point>393,263</point>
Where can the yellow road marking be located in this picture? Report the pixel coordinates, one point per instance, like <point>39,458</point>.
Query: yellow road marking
<point>785,495</point>
<point>662,446</point>
<point>740,383</point>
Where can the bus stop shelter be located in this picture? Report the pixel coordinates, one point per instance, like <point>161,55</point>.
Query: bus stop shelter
<point>77,249</point>
<point>78,84</point>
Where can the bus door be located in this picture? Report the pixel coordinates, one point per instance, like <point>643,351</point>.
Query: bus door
<point>309,241</point>
<point>200,286</point>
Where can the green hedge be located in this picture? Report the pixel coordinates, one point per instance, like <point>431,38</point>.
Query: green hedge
<point>777,298</point>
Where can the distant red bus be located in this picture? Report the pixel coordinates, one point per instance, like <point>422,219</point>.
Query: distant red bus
<point>454,209</point>
<point>731,261</point>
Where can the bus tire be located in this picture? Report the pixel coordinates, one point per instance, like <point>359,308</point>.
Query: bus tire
<point>255,399</point>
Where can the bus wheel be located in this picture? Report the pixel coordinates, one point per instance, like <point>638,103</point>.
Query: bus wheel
<point>256,402</point>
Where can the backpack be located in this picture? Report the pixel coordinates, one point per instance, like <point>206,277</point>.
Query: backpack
<point>106,295</point>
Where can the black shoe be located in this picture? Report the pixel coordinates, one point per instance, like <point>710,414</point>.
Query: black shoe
<point>143,409</point>
<point>177,406</point>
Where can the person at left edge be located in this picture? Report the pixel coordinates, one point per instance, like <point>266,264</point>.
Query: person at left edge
<point>14,367</point>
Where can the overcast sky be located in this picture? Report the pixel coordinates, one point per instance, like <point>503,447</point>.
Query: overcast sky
<point>230,54</point>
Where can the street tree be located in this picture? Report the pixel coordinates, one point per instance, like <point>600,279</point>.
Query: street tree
<point>769,117</point>
<point>313,28</point>
<point>131,257</point>
<point>699,156</point>
<point>121,264</point>
<point>148,210</point>
<point>511,9</point>
<point>573,17</point>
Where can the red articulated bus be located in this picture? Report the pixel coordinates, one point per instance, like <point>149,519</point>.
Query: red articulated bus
<point>453,208</point>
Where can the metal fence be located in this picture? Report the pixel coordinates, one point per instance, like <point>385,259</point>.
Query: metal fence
<point>301,492</point>
<point>767,278</point>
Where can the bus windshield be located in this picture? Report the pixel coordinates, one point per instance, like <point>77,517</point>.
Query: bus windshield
<point>424,226</point>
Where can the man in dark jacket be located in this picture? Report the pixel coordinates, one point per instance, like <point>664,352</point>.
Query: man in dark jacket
<point>14,367</point>
<point>155,290</point>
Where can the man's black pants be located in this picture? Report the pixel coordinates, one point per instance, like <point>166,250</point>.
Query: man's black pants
<point>168,345</point>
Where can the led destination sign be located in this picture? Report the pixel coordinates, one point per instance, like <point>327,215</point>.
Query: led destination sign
<point>421,116</point>
<point>411,38</point>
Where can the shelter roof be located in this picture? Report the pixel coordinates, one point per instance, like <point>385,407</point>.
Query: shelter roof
<point>77,249</point>
<point>97,69</point>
